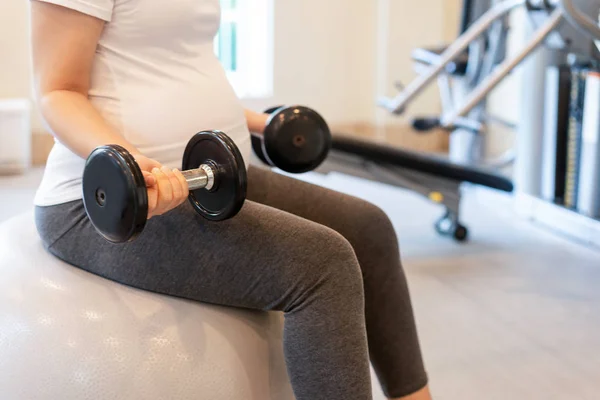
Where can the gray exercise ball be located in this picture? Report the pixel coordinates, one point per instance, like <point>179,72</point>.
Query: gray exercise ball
<point>70,335</point>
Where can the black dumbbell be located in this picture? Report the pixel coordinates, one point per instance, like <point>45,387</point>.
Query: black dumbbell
<point>115,195</point>
<point>296,139</point>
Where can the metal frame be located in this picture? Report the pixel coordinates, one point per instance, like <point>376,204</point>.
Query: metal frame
<point>468,135</point>
<point>491,81</point>
<point>439,190</point>
<point>563,10</point>
<point>467,120</point>
<point>398,104</point>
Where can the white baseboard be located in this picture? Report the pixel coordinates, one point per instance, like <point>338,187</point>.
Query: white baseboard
<point>559,219</point>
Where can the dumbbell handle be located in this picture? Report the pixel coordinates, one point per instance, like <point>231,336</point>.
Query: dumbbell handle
<point>202,177</point>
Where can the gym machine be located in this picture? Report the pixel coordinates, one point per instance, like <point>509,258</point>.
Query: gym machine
<point>459,77</point>
<point>560,24</point>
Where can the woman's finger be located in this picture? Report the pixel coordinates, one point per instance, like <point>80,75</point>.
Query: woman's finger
<point>182,182</point>
<point>165,191</point>
<point>152,201</point>
<point>176,186</point>
<point>149,178</point>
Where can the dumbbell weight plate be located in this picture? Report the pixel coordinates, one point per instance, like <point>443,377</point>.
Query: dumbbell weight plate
<point>297,139</point>
<point>257,147</point>
<point>227,196</point>
<point>114,194</point>
<point>257,142</point>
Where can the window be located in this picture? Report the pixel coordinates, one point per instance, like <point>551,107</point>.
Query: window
<point>244,45</point>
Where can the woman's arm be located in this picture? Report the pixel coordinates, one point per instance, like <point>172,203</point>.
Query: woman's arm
<point>256,122</point>
<point>64,46</point>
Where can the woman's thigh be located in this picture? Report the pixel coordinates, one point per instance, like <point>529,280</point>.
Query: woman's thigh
<point>263,258</point>
<point>364,225</point>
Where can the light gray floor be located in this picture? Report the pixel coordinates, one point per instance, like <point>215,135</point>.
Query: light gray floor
<point>514,314</point>
<point>17,191</point>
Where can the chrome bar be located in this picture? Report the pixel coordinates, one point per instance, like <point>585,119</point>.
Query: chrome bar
<point>200,178</point>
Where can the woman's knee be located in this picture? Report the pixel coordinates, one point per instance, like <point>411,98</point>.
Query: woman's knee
<point>375,241</point>
<point>374,225</point>
<point>334,255</point>
<point>331,265</point>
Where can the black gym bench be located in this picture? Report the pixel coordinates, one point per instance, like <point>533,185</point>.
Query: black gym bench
<point>429,164</point>
<point>434,177</point>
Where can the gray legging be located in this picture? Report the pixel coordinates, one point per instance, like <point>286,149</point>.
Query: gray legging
<point>328,260</point>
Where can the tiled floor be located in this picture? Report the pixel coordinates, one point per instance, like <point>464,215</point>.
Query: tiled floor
<point>514,314</point>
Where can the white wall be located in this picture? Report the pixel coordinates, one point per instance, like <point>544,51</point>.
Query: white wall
<point>324,57</point>
<point>15,67</point>
<point>404,25</point>
<point>336,55</point>
<point>14,53</point>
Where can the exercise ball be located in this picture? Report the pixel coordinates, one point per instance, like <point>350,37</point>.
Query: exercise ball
<point>70,335</point>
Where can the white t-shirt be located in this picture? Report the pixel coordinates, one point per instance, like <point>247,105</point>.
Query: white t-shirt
<point>156,80</point>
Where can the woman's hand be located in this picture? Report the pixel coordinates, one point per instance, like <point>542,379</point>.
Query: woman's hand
<point>167,188</point>
<point>256,122</point>
<point>147,165</point>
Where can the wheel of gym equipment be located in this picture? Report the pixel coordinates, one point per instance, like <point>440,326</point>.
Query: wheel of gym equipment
<point>461,233</point>
<point>447,226</point>
<point>444,225</point>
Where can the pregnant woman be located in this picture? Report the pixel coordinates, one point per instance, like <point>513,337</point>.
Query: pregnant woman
<point>142,74</point>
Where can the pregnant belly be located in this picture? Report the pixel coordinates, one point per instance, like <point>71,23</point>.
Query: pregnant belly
<point>159,118</point>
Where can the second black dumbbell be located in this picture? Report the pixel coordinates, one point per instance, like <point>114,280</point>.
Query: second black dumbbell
<point>296,139</point>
